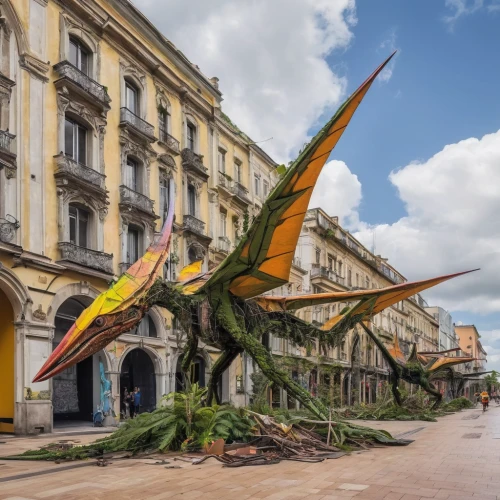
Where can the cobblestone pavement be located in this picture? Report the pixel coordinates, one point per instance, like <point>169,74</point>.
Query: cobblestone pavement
<point>455,458</point>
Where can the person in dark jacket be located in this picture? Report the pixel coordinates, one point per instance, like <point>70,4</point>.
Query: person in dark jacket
<point>137,400</point>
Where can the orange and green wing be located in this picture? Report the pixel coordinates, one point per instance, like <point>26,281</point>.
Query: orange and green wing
<point>447,362</point>
<point>135,282</point>
<point>372,301</point>
<point>263,259</point>
<point>396,352</point>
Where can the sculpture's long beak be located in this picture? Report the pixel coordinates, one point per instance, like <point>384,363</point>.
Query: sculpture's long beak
<point>59,359</point>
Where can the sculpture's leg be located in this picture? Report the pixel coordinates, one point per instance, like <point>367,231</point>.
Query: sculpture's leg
<point>251,345</point>
<point>431,389</point>
<point>190,350</point>
<point>395,390</point>
<point>222,363</point>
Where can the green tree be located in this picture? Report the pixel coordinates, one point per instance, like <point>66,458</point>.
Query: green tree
<point>491,380</point>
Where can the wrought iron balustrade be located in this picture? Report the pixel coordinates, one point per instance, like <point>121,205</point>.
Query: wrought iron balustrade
<point>96,90</point>
<point>131,197</point>
<point>241,192</point>
<point>129,117</point>
<point>171,142</point>
<point>224,181</point>
<point>193,161</point>
<point>7,142</point>
<point>324,272</point>
<point>8,227</point>
<point>86,257</point>
<point>191,223</point>
<point>224,244</point>
<point>67,165</point>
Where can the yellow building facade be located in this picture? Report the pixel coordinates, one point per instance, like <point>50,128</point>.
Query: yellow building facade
<point>100,114</point>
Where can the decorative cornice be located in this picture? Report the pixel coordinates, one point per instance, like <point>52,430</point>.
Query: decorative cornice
<point>34,66</point>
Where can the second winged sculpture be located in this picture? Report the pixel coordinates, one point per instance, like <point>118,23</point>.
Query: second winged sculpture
<point>225,306</point>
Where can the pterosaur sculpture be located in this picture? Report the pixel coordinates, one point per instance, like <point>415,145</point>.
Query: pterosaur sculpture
<point>421,368</point>
<point>225,306</point>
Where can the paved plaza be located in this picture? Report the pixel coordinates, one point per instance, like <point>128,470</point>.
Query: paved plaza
<point>455,458</point>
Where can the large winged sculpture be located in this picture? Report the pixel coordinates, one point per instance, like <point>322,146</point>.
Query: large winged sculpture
<point>421,368</point>
<point>225,306</point>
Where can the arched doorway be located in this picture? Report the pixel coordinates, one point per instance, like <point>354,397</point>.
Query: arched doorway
<point>76,390</point>
<point>138,371</point>
<point>197,373</point>
<point>7,343</point>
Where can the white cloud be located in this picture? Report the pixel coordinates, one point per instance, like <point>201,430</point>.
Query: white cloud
<point>452,224</point>
<point>389,45</point>
<point>269,57</point>
<point>462,8</point>
<point>338,192</point>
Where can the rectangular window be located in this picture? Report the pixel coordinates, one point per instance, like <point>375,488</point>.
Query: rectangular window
<point>191,136</point>
<point>223,223</point>
<point>131,174</point>
<point>78,56</point>
<point>266,188</point>
<point>222,161</point>
<point>164,197</point>
<point>330,263</point>
<point>237,172</point>
<point>318,255</point>
<point>75,141</point>
<point>357,279</point>
<point>349,278</point>
<point>78,226</point>
<point>191,201</point>
<point>132,245</point>
<point>131,100</point>
<point>257,185</point>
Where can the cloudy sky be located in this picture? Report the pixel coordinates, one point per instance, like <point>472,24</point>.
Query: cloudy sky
<point>417,173</point>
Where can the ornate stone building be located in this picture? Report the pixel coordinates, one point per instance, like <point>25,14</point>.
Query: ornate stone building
<point>99,114</point>
<point>330,259</point>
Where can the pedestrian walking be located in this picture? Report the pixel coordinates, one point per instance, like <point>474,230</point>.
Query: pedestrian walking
<point>137,400</point>
<point>126,403</point>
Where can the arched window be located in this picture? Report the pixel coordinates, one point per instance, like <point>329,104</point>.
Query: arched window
<point>192,257</point>
<point>75,140</point>
<point>146,328</point>
<point>79,225</point>
<point>191,200</point>
<point>131,97</point>
<point>79,55</point>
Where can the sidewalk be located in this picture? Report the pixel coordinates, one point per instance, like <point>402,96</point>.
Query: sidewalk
<point>455,458</point>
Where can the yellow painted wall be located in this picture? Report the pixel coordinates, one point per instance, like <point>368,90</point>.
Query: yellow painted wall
<point>6,362</point>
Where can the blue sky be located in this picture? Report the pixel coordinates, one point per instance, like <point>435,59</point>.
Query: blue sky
<point>444,88</point>
<point>419,165</point>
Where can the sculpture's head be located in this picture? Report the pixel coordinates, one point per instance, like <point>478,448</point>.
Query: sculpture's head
<point>90,333</point>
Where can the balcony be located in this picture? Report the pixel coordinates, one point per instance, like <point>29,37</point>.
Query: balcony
<point>136,125</point>
<point>170,142</point>
<point>132,198</point>
<point>86,257</point>
<point>8,148</point>
<point>240,193</point>
<point>329,274</point>
<point>8,227</point>
<point>224,244</point>
<point>191,223</point>
<point>82,84</point>
<point>193,162</point>
<point>71,171</point>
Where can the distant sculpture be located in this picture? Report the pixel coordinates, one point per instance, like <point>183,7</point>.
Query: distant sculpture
<point>105,391</point>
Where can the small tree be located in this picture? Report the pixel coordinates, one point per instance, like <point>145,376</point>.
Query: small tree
<point>491,380</point>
